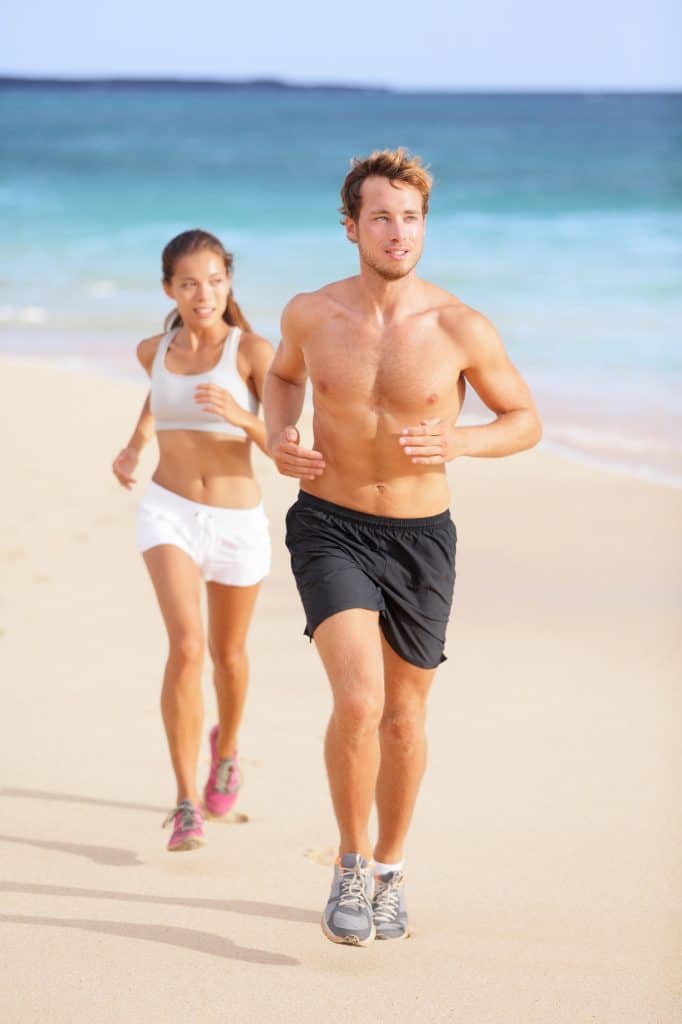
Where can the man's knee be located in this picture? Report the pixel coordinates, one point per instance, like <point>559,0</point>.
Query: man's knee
<point>403,726</point>
<point>358,713</point>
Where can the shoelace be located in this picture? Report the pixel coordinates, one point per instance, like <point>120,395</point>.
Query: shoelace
<point>226,770</point>
<point>387,899</point>
<point>352,887</point>
<point>187,821</point>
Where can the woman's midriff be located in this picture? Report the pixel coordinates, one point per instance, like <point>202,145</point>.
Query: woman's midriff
<point>208,468</point>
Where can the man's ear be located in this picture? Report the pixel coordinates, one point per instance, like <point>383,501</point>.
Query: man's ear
<point>351,230</point>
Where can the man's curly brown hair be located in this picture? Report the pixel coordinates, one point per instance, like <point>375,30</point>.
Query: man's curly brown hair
<point>394,164</point>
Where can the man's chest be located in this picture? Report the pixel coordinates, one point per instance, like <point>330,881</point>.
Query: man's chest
<point>397,370</point>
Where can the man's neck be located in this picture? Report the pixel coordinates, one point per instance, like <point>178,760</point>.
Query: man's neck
<point>387,301</point>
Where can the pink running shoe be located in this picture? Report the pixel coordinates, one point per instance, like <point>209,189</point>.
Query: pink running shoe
<point>224,780</point>
<point>188,827</point>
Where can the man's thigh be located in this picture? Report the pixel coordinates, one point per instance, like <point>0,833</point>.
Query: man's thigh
<point>406,686</point>
<point>350,646</point>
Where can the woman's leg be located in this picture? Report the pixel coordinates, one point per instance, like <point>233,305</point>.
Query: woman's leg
<point>230,610</point>
<point>177,584</point>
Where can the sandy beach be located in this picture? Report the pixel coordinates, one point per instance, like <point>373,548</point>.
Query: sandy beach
<point>544,860</point>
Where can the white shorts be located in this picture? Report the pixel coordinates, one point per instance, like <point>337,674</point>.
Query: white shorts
<point>229,545</point>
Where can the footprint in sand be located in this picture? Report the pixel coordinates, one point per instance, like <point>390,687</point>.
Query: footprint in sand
<point>325,855</point>
<point>233,818</point>
<point>12,555</point>
<point>82,538</point>
<point>41,578</point>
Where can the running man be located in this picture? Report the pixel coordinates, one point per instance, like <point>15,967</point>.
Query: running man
<point>371,540</point>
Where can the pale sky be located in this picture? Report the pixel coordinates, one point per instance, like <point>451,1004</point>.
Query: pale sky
<point>422,44</point>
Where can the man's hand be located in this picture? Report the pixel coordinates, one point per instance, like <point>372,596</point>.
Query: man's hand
<point>293,460</point>
<point>215,399</point>
<point>431,443</point>
<point>124,465</point>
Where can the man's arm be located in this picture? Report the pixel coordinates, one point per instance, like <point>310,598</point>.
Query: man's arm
<point>500,386</point>
<point>283,398</point>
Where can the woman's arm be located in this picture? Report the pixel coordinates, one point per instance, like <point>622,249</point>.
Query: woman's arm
<point>255,354</point>
<point>125,463</point>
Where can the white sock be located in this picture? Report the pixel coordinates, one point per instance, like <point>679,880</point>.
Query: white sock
<point>383,869</point>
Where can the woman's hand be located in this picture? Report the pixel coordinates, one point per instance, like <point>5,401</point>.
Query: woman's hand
<point>217,400</point>
<point>124,465</point>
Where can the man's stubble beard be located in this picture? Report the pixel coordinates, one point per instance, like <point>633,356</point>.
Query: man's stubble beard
<point>388,273</point>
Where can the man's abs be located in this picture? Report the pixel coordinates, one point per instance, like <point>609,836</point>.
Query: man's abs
<point>366,468</point>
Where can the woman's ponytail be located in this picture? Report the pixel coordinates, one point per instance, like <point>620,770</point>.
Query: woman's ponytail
<point>233,314</point>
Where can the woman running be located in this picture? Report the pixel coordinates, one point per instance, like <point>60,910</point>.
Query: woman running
<point>201,517</point>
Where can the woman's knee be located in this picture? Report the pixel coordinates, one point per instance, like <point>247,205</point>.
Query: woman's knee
<point>186,647</point>
<point>229,660</point>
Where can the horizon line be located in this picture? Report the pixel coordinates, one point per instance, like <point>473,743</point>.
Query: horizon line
<point>284,84</point>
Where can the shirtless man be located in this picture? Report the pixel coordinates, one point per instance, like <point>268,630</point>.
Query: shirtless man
<point>371,540</point>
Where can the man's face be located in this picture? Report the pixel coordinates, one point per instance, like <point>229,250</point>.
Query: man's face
<point>389,231</point>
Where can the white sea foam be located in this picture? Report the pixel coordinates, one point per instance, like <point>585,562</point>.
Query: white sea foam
<point>640,470</point>
<point>34,315</point>
<point>23,315</point>
<point>103,289</point>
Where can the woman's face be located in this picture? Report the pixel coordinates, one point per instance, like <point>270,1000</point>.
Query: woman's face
<point>200,287</point>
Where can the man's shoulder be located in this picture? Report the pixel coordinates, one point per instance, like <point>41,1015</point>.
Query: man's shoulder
<point>459,321</point>
<point>306,307</point>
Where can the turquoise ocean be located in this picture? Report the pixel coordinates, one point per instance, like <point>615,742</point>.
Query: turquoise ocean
<point>559,216</point>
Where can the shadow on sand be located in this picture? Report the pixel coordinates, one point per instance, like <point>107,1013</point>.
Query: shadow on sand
<point>169,935</point>
<point>72,798</point>
<point>250,908</point>
<point>109,855</point>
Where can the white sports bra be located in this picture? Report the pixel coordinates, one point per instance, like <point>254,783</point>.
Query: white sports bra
<point>172,394</point>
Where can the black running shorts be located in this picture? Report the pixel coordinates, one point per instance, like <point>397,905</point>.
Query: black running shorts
<point>402,568</point>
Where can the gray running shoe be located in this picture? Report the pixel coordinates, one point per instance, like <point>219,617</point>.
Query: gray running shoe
<point>388,905</point>
<point>347,917</point>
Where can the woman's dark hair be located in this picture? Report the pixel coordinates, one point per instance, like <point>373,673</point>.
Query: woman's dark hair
<point>194,241</point>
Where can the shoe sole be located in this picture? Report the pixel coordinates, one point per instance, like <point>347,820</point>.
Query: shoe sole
<point>347,940</point>
<point>187,844</point>
<point>393,938</point>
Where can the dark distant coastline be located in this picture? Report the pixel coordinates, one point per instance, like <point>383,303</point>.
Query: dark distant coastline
<point>281,85</point>
<point>252,84</point>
